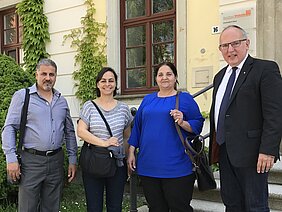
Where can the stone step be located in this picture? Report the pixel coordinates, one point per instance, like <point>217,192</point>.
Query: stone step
<point>201,206</point>
<point>211,200</point>
<point>275,194</point>
<point>275,174</point>
<point>208,206</point>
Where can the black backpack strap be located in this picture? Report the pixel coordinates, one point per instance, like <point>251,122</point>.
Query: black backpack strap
<point>23,120</point>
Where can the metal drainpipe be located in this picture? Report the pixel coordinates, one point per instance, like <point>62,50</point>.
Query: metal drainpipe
<point>133,179</point>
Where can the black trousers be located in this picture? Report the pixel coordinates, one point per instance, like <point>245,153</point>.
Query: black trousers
<point>242,188</point>
<point>168,194</point>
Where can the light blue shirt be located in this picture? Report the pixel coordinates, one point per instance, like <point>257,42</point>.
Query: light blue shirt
<point>48,125</point>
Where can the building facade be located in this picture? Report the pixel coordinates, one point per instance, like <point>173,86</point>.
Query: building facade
<point>142,33</point>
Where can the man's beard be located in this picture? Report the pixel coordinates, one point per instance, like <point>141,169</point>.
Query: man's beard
<point>48,86</point>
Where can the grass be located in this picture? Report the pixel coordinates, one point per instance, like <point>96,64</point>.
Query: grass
<point>74,200</point>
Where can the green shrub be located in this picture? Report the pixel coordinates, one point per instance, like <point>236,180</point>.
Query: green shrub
<point>35,32</point>
<point>12,78</point>
<point>90,50</point>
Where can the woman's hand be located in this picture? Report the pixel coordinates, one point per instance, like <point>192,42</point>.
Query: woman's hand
<point>131,160</point>
<point>177,116</point>
<point>112,141</point>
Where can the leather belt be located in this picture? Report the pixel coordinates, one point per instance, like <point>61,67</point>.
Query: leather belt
<point>43,153</point>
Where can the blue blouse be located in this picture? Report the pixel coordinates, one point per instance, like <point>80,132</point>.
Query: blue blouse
<point>161,153</point>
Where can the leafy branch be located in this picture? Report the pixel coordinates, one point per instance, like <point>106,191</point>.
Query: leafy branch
<point>35,32</point>
<point>90,52</point>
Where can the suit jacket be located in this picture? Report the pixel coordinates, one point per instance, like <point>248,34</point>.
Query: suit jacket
<point>253,120</point>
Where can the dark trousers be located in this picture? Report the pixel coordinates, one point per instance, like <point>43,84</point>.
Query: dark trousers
<point>41,182</point>
<point>94,191</point>
<point>242,189</point>
<point>168,194</point>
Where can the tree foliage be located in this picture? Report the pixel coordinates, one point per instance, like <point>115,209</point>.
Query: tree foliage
<point>12,78</point>
<point>35,32</point>
<point>90,55</point>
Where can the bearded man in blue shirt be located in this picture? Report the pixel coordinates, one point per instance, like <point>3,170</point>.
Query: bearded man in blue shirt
<point>48,126</point>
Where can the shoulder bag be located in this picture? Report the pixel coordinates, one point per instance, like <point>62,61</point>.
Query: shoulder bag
<point>198,157</point>
<point>98,161</point>
<point>21,133</point>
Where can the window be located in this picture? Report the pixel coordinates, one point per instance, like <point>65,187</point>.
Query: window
<point>11,35</point>
<point>147,39</point>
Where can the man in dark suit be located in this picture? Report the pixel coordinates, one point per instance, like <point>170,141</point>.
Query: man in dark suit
<point>246,123</point>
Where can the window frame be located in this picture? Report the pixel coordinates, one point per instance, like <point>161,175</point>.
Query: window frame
<point>148,20</point>
<point>17,46</point>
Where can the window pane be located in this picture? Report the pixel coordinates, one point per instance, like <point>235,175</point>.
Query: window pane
<point>135,57</point>
<point>10,36</point>
<point>135,36</point>
<point>163,31</point>
<point>12,53</point>
<point>9,21</point>
<point>163,52</point>
<point>154,83</point>
<point>135,8</point>
<point>161,5</point>
<point>136,78</point>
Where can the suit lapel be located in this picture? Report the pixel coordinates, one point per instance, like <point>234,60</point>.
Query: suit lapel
<point>242,76</point>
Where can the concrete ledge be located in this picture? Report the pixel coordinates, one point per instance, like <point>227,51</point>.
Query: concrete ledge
<point>275,174</point>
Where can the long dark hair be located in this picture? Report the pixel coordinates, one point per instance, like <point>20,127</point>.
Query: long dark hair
<point>99,77</point>
<point>172,67</point>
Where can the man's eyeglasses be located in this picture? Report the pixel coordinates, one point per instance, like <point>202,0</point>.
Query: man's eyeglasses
<point>234,44</point>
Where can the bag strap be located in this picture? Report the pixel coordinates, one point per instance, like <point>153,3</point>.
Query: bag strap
<point>189,150</point>
<point>23,120</point>
<point>103,117</point>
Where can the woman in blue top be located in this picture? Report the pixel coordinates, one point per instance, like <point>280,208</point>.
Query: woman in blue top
<point>164,168</point>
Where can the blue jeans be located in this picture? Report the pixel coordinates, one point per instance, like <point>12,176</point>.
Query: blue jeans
<point>94,191</point>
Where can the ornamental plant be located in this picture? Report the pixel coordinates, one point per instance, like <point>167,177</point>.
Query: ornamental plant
<point>12,78</point>
<point>35,32</point>
<point>89,41</point>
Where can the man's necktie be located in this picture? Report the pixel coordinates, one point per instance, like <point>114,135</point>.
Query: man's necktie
<point>221,116</point>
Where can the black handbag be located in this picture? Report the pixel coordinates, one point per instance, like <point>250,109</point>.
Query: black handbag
<point>21,134</point>
<point>196,153</point>
<point>98,161</point>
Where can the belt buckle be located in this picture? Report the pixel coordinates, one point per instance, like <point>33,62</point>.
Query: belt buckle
<point>49,152</point>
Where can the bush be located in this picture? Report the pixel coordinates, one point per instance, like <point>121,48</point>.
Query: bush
<point>12,78</point>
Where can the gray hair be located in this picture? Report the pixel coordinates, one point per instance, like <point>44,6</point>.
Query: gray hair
<point>244,33</point>
<point>47,62</point>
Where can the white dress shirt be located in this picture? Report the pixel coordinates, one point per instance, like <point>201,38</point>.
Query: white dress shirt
<point>222,87</point>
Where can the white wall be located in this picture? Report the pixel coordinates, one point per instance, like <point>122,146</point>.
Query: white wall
<point>64,15</point>
<point>4,4</point>
<point>238,7</point>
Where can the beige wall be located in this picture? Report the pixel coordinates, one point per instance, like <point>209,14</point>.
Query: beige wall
<point>203,57</point>
<point>63,16</point>
<point>202,45</point>
<point>5,4</point>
